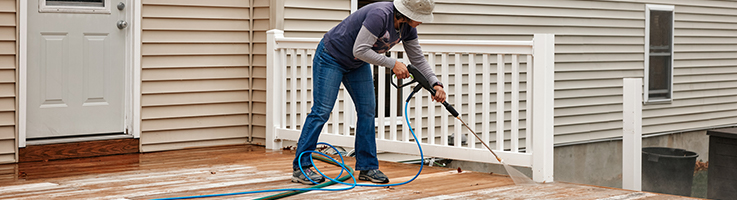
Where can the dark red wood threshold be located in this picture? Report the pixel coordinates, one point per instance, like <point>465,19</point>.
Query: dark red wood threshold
<point>85,149</point>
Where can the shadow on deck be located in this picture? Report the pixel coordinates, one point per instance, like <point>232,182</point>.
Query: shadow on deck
<point>230,169</point>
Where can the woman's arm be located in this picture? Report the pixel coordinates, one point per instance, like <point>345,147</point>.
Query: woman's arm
<point>362,49</point>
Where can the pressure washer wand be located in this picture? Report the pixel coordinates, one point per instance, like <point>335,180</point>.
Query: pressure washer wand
<point>477,136</point>
<point>423,83</point>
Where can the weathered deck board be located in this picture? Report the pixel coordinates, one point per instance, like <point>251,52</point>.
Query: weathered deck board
<point>232,169</point>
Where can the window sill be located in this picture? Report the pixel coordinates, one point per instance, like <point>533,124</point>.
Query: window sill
<point>659,101</point>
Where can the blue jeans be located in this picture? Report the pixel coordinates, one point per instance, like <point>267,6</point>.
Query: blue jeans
<point>327,75</point>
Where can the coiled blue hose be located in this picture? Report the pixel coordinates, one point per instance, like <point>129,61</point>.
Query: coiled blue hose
<point>342,166</point>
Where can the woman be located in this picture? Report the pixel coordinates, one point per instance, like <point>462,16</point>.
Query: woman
<point>345,55</point>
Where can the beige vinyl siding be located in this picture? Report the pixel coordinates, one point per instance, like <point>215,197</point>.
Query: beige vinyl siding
<point>8,74</point>
<point>313,18</point>
<point>197,77</point>
<point>598,43</point>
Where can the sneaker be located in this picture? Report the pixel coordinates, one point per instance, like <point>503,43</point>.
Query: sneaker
<point>299,177</point>
<point>373,175</point>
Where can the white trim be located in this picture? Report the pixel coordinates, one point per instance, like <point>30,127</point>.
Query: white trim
<point>646,78</point>
<point>272,87</point>
<point>137,32</point>
<point>22,70</point>
<point>354,6</point>
<point>42,7</point>
<point>632,134</point>
<point>543,96</point>
<point>660,7</point>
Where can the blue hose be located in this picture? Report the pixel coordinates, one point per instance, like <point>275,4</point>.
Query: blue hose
<point>342,166</point>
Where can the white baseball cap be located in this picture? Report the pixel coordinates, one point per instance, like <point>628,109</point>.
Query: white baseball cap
<point>418,10</point>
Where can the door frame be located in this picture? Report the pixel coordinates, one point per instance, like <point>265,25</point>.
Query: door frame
<point>132,108</point>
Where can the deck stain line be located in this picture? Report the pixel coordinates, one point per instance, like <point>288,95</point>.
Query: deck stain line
<point>27,187</point>
<point>473,192</point>
<point>142,176</point>
<point>191,187</point>
<point>153,184</point>
<point>630,196</point>
<point>199,187</point>
<point>173,183</point>
<point>34,193</point>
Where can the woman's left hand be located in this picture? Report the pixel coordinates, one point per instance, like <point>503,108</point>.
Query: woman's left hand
<point>439,94</point>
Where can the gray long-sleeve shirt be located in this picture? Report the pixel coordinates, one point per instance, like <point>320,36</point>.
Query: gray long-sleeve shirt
<point>362,50</point>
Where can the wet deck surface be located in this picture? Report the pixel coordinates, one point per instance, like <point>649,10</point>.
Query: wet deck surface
<point>242,168</point>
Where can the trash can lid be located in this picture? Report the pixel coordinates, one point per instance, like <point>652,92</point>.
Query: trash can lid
<point>723,132</point>
<point>669,152</point>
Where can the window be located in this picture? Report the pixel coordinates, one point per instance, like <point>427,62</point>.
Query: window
<point>74,6</point>
<point>659,54</point>
<point>83,3</point>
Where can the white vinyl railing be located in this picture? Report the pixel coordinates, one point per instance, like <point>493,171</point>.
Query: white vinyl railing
<point>480,78</point>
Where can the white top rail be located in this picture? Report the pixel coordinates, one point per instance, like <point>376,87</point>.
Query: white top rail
<point>436,46</point>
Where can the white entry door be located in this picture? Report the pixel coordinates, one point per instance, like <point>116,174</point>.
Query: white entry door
<point>76,67</point>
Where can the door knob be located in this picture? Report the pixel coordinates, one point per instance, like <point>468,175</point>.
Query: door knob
<point>121,6</point>
<point>122,24</point>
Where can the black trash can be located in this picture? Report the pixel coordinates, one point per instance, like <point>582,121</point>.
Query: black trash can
<point>668,170</point>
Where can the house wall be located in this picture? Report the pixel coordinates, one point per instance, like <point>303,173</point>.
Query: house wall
<point>8,63</point>
<point>597,44</point>
<point>600,42</point>
<point>203,75</point>
<point>313,18</point>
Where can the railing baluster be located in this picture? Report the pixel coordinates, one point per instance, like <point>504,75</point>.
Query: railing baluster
<point>335,116</point>
<point>431,106</point>
<point>528,106</point>
<point>393,107</point>
<point>444,117</point>
<point>514,139</point>
<point>405,127</point>
<point>303,91</point>
<point>472,98</point>
<point>293,90</point>
<point>485,99</point>
<point>400,101</point>
<point>458,93</point>
<point>418,114</point>
<point>500,102</point>
<point>283,57</point>
<point>348,112</point>
<point>381,105</point>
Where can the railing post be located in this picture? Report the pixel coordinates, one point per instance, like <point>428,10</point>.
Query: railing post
<point>632,136</point>
<point>273,87</point>
<point>543,107</point>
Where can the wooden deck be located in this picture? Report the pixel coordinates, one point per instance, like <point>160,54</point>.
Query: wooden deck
<point>241,168</point>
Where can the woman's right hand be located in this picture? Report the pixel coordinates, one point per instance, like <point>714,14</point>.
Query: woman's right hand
<point>400,69</point>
